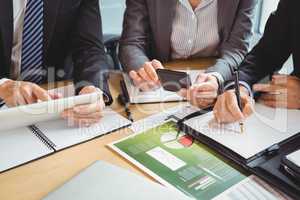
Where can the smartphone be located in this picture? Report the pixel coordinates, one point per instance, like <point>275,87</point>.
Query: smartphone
<point>173,81</point>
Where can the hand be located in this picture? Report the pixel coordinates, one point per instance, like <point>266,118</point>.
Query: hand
<point>283,92</point>
<point>85,115</point>
<point>15,93</point>
<point>226,109</point>
<point>146,77</point>
<point>204,92</point>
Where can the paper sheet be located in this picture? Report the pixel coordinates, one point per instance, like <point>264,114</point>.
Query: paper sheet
<point>157,95</point>
<point>294,157</point>
<point>252,188</point>
<point>266,127</point>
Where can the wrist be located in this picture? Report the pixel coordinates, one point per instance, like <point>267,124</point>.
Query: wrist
<point>219,80</point>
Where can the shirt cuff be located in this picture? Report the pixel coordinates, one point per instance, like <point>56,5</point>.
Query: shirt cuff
<point>242,83</point>
<point>106,97</point>
<point>220,80</point>
<point>3,80</point>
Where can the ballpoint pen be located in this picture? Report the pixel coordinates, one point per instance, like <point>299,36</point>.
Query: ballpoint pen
<point>123,99</point>
<point>238,96</point>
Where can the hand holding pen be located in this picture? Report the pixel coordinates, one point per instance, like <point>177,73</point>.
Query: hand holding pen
<point>228,110</point>
<point>238,96</point>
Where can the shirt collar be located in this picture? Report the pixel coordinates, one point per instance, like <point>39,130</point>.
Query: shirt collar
<point>203,4</point>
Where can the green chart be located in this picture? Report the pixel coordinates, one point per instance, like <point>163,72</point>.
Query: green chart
<point>178,161</point>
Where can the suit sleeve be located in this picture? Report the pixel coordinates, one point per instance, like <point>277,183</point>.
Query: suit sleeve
<point>88,52</point>
<point>135,36</point>
<point>272,50</point>
<point>234,50</point>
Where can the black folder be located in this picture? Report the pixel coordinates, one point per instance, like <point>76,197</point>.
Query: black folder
<point>266,165</point>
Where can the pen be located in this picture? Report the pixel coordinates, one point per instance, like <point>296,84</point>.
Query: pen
<point>124,100</point>
<point>238,95</point>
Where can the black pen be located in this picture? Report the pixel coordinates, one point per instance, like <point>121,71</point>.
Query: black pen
<point>238,95</point>
<point>124,100</point>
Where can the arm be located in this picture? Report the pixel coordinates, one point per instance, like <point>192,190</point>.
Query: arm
<point>135,36</point>
<point>237,46</point>
<point>90,64</point>
<point>272,50</point>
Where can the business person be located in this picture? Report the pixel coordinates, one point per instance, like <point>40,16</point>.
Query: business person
<point>159,31</point>
<point>36,36</point>
<point>280,40</point>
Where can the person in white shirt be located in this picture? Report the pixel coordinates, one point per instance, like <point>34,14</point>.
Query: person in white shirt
<point>36,37</point>
<point>160,31</point>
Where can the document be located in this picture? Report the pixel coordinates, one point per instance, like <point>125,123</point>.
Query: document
<point>157,95</point>
<point>265,128</point>
<point>252,188</point>
<point>179,162</point>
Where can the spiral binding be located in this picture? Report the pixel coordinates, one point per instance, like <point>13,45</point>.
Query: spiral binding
<point>40,135</point>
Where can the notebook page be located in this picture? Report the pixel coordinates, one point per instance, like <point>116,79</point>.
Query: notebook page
<point>19,146</point>
<point>263,129</point>
<point>64,136</point>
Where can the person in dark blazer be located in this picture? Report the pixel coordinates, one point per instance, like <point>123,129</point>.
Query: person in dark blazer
<point>280,40</point>
<point>157,31</point>
<point>36,38</point>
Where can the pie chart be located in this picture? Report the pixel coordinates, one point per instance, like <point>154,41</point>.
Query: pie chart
<point>171,140</point>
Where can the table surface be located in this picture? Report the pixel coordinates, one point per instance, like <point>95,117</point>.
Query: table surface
<point>36,179</point>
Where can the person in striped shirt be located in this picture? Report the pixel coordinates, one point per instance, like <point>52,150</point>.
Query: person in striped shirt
<point>159,31</point>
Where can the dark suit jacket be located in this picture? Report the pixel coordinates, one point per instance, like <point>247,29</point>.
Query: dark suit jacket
<point>148,27</point>
<point>71,27</point>
<point>280,40</point>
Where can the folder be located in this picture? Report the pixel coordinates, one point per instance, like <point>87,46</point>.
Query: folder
<point>270,135</point>
<point>105,181</point>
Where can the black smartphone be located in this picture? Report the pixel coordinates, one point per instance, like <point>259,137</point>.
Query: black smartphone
<point>173,80</point>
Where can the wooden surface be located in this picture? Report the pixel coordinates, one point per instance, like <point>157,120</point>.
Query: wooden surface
<point>36,179</point>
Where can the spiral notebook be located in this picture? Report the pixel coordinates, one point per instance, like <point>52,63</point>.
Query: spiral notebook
<point>20,145</point>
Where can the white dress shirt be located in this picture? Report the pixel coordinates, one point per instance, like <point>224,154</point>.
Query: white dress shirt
<point>19,7</point>
<point>195,32</point>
